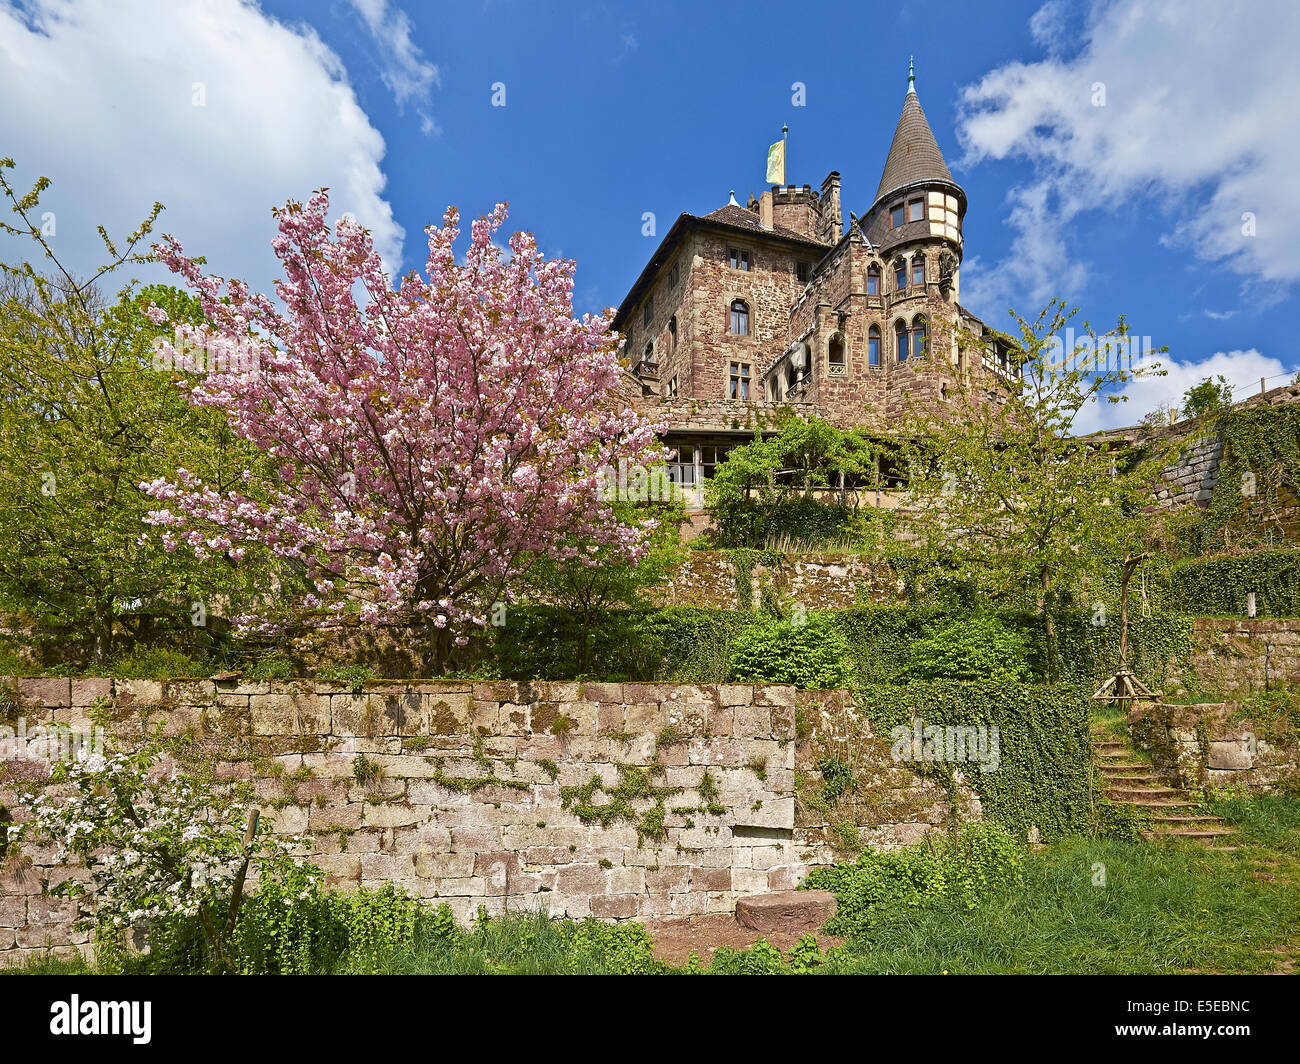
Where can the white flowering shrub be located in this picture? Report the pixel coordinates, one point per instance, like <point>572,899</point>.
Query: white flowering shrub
<point>164,849</point>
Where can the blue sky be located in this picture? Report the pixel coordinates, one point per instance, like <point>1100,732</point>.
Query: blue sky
<point>612,110</point>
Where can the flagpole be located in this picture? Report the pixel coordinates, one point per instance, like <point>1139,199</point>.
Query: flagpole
<point>785,155</point>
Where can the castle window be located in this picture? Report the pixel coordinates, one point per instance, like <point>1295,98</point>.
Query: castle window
<point>649,357</point>
<point>915,210</point>
<point>791,378</point>
<point>900,341</point>
<point>739,380</point>
<point>873,280</point>
<point>918,269</point>
<point>918,336</point>
<point>672,334</point>
<point>873,346</point>
<point>739,259</point>
<point>900,275</point>
<point>649,314</point>
<point>895,216</point>
<point>836,363</point>
<point>670,389</point>
<point>802,271</point>
<point>740,317</point>
<point>674,275</point>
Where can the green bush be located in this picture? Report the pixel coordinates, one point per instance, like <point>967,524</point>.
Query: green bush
<point>812,656</point>
<point>976,648</point>
<point>957,872</point>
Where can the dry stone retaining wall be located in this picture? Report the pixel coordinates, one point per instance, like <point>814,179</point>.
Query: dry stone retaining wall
<point>480,794</point>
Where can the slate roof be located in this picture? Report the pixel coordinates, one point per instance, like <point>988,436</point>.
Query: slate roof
<point>742,218</point>
<point>914,155</point>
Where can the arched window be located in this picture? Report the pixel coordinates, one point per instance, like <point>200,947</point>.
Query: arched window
<point>918,269</point>
<point>873,280</point>
<point>791,378</point>
<point>918,336</point>
<point>836,363</point>
<point>740,317</point>
<point>672,333</point>
<point>648,356</point>
<point>900,275</point>
<point>900,340</point>
<point>873,346</point>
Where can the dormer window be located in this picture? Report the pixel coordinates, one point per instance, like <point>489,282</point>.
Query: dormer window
<point>739,259</point>
<point>915,210</point>
<point>895,216</point>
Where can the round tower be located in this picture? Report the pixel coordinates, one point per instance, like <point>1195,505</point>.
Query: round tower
<point>919,208</point>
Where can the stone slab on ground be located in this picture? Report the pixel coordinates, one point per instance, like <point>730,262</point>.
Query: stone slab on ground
<point>786,911</point>
<point>677,937</point>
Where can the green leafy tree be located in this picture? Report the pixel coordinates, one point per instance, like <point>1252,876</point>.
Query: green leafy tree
<point>1208,397</point>
<point>1008,492</point>
<point>85,419</point>
<point>600,578</point>
<point>784,470</point>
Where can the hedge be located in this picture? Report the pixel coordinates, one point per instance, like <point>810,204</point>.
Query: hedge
<point>1217,586</point>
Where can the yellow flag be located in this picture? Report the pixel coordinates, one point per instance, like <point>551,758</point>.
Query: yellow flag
<point>776,163</point>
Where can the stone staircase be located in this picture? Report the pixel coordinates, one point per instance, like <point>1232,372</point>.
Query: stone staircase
<point>1129,780</point>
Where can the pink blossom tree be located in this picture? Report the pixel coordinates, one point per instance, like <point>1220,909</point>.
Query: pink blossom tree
<point>432,441</point>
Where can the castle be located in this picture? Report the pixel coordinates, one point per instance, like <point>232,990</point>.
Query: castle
<point>779,304</point>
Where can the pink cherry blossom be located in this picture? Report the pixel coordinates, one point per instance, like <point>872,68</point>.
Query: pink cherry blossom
<point>431,440</point>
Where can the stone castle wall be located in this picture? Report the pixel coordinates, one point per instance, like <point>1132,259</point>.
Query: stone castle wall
<point>817,581</point>
<point>486,794</point>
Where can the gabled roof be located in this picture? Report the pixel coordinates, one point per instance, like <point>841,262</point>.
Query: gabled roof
<point>741,218</point>
<point>914,155</point>
<point>730,218</point>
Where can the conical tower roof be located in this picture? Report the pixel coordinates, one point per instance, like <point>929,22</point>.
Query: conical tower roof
<point>914,155</point>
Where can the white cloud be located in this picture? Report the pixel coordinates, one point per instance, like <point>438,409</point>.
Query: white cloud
<point>1241,369</point>
<point>409,76</point>
<point>1199,127</point>
<point>99,96</point>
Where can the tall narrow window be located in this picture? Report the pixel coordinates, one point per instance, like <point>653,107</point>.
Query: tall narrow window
<point>836,364</point>
<point>674,275</point>
<point>900,275</point>
<point>740,317</point>
<point>900,341</point>
<point>918,336</point>
<point>873,346</point>
<point>873,280</point>
<point>739,380</point>
<point>802,271</point>
<point>918,270</point>
<point>672,334</point>
<point>649,310</point>
<point>649,357</point>
<point>895,216</point>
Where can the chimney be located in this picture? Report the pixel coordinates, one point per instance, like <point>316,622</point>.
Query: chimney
<point>765,210</point>
<point>829,225</point>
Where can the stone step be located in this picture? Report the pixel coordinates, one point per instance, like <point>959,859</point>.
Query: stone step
<point>1138,794</point>
<point>1187,833</point>
<point>1179,818</point>
<point>1130,777</point>
<point>1109,746</point>
<point>1123,766</point>
<point>786,911</point>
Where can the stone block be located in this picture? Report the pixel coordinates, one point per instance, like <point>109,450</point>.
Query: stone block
<point>790,912</point>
